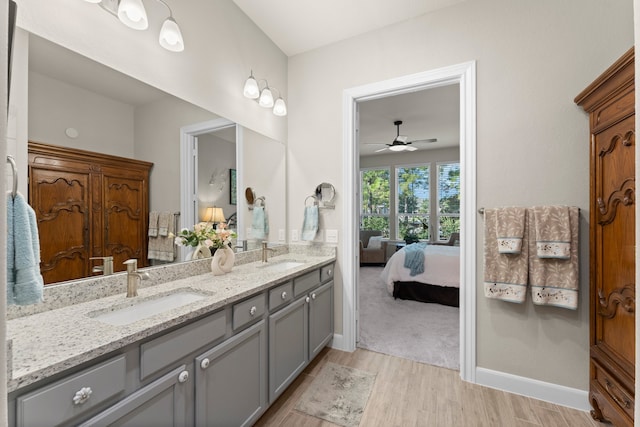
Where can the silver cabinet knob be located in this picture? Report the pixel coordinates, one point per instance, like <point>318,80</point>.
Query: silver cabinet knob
<point>307,299</point>
<point>82,395</point>
<point>329,273</point>
<point>204,364</point>
<point>253,311</point>
<point>284,295</point>
<point>313,295</point>
<point>183,377</point>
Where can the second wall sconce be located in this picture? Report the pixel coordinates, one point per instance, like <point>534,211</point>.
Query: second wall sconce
<point>133,14</point>
<point>264,97</point>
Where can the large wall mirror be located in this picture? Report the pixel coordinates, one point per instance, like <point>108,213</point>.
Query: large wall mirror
<point>77,103</point>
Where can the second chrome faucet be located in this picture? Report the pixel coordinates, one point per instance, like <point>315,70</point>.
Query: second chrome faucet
<point>134,277</point>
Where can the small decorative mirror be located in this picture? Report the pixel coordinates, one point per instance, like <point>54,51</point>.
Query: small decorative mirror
<point>325,193</point>
<point>250,195</point>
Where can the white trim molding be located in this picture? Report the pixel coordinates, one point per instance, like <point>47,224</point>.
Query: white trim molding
<point>554,393</point>
<point>465,75</point>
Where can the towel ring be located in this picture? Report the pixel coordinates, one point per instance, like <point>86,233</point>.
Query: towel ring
<point>259,199</point>
<point>314,200</point>
<point>14,170</point>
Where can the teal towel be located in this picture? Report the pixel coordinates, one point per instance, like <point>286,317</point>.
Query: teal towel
<point>260,223</point>
<point>310,223</point>
<point>414,258</point>
<point>24,281</point>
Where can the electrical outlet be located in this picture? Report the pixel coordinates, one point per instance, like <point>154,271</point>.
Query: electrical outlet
<point>331,236</point>
<point>281,236</point>
<point>294,235</point>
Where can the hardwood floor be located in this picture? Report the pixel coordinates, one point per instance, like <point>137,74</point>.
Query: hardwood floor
<point>408,393</point>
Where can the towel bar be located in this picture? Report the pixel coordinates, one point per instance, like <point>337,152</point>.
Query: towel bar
<point>481,211</point>
<point>14,170</point>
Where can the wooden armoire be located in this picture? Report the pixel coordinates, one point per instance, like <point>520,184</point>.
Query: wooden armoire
<point>87,205</point>
<point>610,102</point>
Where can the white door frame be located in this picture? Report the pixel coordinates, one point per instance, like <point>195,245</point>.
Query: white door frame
<point>465,75</point>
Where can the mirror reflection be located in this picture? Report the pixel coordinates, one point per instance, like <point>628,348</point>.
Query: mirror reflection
<point>75,103</point>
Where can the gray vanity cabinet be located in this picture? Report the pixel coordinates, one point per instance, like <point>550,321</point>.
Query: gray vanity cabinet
<point>320,318</point>
<point>231,380</point>
<point>164,402</point>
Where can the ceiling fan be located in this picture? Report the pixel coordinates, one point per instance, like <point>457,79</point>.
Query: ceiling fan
<point>400,142</point>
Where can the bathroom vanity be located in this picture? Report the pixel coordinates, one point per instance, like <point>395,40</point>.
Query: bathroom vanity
<point>221,358</point>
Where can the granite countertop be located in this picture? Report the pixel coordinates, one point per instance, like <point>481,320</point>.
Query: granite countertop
<point>52,341</point>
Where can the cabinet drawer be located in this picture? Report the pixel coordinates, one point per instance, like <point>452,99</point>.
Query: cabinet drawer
<point>63,400</point>
<point>614,391</point>
<point>326,273</point>
<point>280,295</point>
<point>161,352</point>
<point>308,281</point>
<point>247,311</point>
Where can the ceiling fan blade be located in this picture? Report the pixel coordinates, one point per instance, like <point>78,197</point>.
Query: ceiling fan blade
<point>409,148</point>
<point>382,149</point>
<point>418,141</point>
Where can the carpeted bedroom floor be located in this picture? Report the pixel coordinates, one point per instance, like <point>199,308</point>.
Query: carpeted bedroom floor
<point>423,332</point>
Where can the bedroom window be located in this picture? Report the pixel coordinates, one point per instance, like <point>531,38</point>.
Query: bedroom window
<point>448,199</point>
<point>413,202</point>
<point>374,205</point>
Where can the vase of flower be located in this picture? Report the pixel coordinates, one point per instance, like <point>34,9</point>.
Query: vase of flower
<point>200,251</point>
<point>204,239</point>
<point>222,261</point>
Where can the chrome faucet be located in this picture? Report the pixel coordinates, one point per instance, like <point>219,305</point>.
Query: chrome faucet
<point>243,246</point>
<point>107,265</point>
<point>265,250</point>
<point>134,277</point>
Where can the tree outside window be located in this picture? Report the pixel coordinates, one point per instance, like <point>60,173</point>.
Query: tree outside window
<point>448,199</point>
<point>374,205</point>
<point>413,202</point>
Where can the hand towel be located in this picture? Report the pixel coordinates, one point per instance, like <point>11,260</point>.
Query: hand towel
<point>260,223</point>
<point>310,223</point>
<point>164,220</point>
<point>414,258</point>
<point>162,248</point>
<point>153,224</point>
<point>552,231</point>
<point>27,282</point>
<point>554,281</point>
<point>505,275</point>
<point>510,229</point>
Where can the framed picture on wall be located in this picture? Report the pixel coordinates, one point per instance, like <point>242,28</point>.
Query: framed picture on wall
<point>232,187</point>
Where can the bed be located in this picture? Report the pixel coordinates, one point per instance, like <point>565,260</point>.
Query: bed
<point>439,283</point>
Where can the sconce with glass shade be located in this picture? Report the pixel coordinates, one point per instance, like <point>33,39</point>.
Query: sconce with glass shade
<point>214,215</point>
<point>133,14</point>
<point>264,97</point>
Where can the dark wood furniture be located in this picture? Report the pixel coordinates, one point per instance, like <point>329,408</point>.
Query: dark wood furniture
<point>87,205</point>
<point>610,102</point>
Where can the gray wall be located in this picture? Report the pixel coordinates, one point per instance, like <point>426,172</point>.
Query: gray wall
<point>532,58</point>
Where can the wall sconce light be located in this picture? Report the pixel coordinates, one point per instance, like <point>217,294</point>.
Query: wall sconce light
<point>133,14</point>
<point>214,215</point>
<point>265,96</point>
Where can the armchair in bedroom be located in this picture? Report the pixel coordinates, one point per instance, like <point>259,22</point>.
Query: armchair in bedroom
<point>454,240</point>
<point>372,251</point>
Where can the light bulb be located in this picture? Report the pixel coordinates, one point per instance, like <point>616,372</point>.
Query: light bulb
<point>397,148</point>
<point>251,89</point>
<point>280,108</point>
<point>266,98</point>
<point>132,14</point>
<point>170,36</point>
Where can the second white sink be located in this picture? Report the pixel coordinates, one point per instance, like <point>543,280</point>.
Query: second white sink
<point>281,265</point>
<point>141,309</point>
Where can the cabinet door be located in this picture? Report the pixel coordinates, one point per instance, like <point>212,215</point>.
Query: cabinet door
<point>320,318</point>
<point>288,345</point>
<point>231,380</point>
<point>164,402</point>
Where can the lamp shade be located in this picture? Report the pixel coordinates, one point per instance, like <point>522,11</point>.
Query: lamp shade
<point>251,89</point>
<point>280,108</point>
<point>266,98</point>
<point>132,14</point>
<point>171,36</point>
<point>93,1</point>
<point>214,214</point>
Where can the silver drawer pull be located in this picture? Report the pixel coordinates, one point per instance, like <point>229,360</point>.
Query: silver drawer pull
<point>329,273</point>
<point>82,395</point>
<point>253,311</point>
<point>307,299</point>
<point>204,364</point>
<point>183,377</point>
<point>284,295</point>
<point>313,295</point>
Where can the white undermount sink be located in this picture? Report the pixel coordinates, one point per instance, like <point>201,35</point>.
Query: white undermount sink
<point>135,309</point>
<point>280,265</point>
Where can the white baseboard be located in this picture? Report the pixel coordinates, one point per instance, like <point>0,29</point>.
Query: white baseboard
<point>338,342</point>
<point>554,393</point>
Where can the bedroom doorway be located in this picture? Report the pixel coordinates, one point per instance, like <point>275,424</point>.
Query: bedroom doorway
<point>464,75</point>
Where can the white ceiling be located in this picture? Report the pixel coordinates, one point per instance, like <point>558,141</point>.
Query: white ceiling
<point>298,26</point>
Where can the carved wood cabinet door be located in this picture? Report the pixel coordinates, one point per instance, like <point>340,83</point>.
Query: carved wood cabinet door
<point>610,101</point>
<point>87,205</point>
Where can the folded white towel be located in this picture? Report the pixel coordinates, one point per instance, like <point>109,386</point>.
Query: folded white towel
<point>310,223</point>
<point>153,224</point>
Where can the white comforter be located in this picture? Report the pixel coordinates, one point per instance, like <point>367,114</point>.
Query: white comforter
<point>441,267</point>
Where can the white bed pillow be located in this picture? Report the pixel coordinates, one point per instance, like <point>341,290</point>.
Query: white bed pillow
<point>375,242</point>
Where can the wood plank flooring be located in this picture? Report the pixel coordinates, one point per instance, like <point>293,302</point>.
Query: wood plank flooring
<point>408,393</point>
